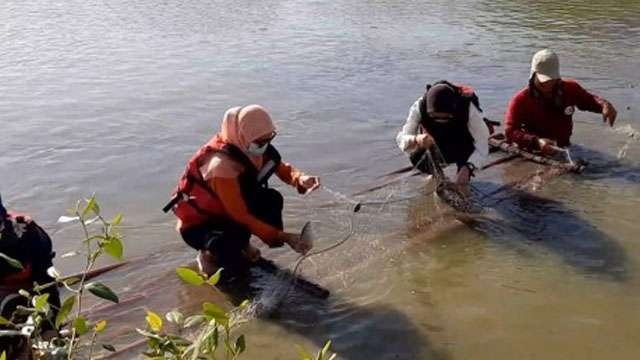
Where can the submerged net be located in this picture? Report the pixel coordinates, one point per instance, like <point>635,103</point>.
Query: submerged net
<point>281,286</point>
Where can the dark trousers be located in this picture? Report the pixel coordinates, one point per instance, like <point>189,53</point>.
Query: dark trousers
<point>226,238</point>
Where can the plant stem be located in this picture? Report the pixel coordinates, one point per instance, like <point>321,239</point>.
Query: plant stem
<point>91,258</point>
<point>93,343</point>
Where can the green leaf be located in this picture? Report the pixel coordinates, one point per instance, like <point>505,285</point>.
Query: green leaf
<point>189,276</point>
<point>80,325</point>
<point>40,302</point>
<point>216,312</point>
<point>53,272</point>
<point>323,353</point>
<point>175,317</point>
<point>154,321</point>
<point>102,291</point>
<point>92,206</point>
<point>13,262</point>
<point>72,280</point>
<point>100,326</point>
<point>65,310</point>
<point>113,247</point>
<point>116,220</point>
<point>194,320</point>
<point>150,335</point>
<point>109,347</point>
<point>4,321</point>
<point>213,279</point>
<point>69,254</point>
<point>240,344</point>
<point>3,356</point>
<point>304,354</point>
<point>215,336</point>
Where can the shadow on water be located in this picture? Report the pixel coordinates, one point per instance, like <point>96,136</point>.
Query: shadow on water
<point>605,166</point>
<point>529,219</point>
<point>356,331</point>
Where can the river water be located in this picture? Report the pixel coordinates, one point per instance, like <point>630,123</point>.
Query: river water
<point>113,96</point>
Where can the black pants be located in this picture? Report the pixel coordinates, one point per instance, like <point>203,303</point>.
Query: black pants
<point>227,238</point>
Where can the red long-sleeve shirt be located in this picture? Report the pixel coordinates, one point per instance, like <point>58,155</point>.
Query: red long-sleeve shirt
<point>530,117</point>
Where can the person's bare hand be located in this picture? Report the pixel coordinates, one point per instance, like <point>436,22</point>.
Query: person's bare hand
<point>547,146</point>
<point>464,176</point>
<point>295,242</point>
<point>424,141</point>
<point>609,113</point>
<point>309,183</point>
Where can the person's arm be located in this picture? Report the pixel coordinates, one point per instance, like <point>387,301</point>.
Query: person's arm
<point>586,101</point>
<point>290,175</point>
<point>229,192</point>
<point>514,120</point>
<point>406,138</point>
<point>480,133</point>
<point>296,178</point>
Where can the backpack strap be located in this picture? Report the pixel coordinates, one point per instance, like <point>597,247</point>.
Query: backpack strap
<point>270,167</point>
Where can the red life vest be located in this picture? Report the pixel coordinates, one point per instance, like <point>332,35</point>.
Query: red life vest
<point>194,202</point>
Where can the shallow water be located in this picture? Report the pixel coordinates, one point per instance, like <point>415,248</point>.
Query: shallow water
<point>113,96</point>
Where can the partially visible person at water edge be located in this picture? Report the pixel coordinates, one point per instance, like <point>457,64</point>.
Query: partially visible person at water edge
<point>223,198</point>
<point>539,117</point>
<point>450,117</point>
<point>23,240</point>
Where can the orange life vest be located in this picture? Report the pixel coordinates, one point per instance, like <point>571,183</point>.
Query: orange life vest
<point>194,202</point>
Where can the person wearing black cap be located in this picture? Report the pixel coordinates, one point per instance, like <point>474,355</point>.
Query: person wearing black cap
<point>450,117</point>
<point>23,240</point>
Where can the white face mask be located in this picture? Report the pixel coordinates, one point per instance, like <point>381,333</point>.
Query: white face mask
<point>256,150</point>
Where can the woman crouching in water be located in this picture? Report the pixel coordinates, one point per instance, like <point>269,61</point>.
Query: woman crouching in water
<point>223,197</point>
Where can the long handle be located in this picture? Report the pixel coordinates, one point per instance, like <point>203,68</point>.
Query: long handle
<point>513,149</point>
<point>95,272</point>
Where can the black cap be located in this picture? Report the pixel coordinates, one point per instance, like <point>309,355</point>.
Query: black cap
<point>442,98</point>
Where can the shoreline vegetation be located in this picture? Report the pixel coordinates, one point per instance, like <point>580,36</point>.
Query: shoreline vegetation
<point>41,331</point>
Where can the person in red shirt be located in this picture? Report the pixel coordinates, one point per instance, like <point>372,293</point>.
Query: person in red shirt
<point>223,197</point>
<point>539,117</point>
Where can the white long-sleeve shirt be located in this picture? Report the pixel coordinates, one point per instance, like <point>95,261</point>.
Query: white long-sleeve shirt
<point>476,125</point>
